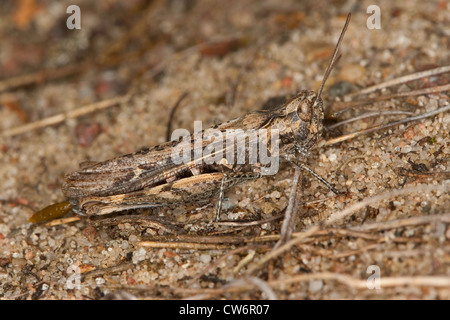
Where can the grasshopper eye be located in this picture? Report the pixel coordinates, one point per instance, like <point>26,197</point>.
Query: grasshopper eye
<point>304,108</point>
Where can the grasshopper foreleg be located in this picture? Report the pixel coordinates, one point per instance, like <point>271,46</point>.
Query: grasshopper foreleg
<point>314,174</point>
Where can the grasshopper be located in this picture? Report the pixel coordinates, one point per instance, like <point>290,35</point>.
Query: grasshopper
<point>151,178</point>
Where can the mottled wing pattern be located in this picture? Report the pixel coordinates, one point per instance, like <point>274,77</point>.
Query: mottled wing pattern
<point>146,168</point>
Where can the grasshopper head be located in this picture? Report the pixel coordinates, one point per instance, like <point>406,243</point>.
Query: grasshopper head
<point>305,116</point>
<point>305,111</point>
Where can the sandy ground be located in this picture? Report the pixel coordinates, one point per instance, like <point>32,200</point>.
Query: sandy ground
<point>230,57</point>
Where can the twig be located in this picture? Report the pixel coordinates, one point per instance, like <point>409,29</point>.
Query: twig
<point>322,235</point>
<point>183,245</point>
<point>410,77</point>
<point>246,260</point>
<point>90,108</point>
<point>144,221</point>
<point>230,240</point>
<point>333,232</point>
<point>409,173</point>
<point>349,281</point>
<point>354,252</point>
<point>386,195</point>
<point>351,104</point>
<point>288,225</point>
<point>238,285</point>
<point>248,223</point>
<point>41,76</point>
<point>57,222</point>
<point>385,126</point>
<point>203,239</point>
<point>109,270</point>
<point>401,223</point>
<point>64,71</point>
<point>260,284</point>
<point>413,253</point>
<point>332,254</point>
<point>434,281</point>
<point>368,115</point>
<point>212,266</point>
<point>283,248</point>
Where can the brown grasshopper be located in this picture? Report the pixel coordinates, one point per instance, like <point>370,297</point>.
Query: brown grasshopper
<point>152,178</point>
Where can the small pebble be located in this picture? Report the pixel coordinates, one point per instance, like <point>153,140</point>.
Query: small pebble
<point>315,286</point>
<point>352,73</point>
<point>205,258</point>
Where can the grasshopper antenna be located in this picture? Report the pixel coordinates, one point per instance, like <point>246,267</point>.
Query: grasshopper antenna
<point>334,58</point>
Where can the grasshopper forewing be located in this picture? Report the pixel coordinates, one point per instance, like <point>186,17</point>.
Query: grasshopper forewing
<point>152,178</point>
